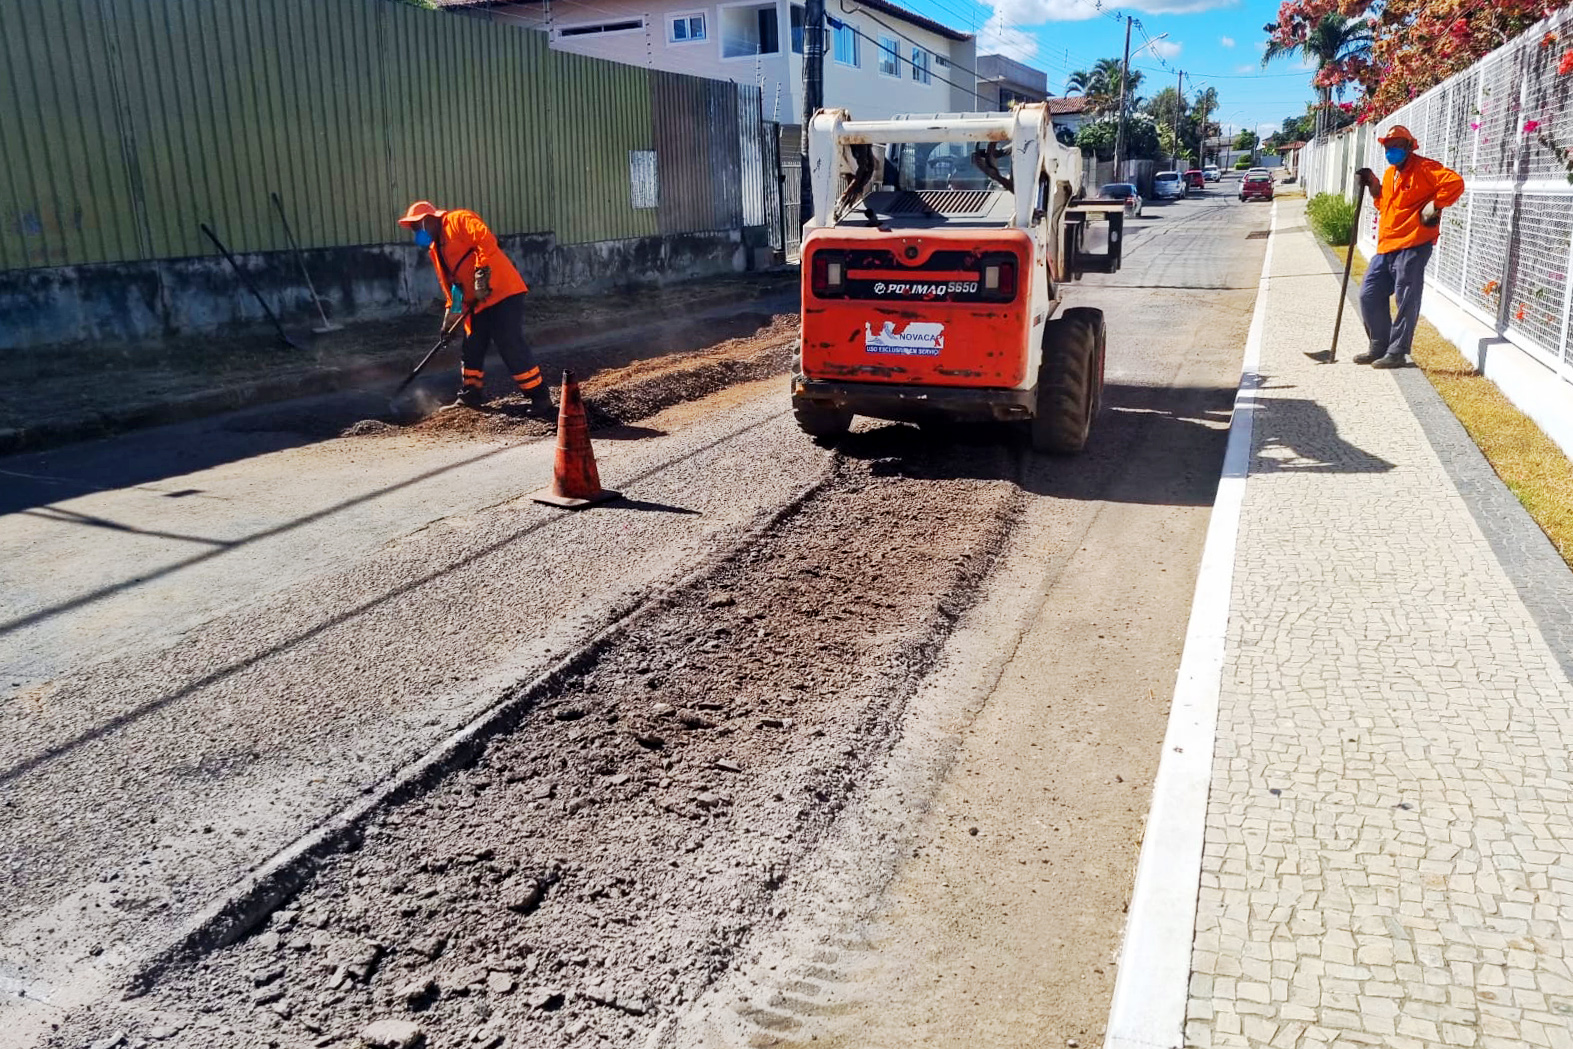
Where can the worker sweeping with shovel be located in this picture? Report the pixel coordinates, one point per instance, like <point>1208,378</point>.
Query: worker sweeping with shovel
<point>481,283</point>
<point>1409,199</point>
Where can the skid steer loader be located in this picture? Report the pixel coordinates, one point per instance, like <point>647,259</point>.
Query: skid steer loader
<point>934,271</point>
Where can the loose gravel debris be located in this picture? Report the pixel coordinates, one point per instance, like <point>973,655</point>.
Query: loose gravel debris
<point>602,864</point>
<point>617,396</point>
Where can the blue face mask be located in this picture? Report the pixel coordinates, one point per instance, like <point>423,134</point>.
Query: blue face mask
<point>422,239</point>
<point>1396,155</point>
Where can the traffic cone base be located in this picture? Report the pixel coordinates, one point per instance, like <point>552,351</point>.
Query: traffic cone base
<point>576,483</point>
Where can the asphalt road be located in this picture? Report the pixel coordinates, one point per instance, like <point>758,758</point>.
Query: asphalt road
<point>143,777</point>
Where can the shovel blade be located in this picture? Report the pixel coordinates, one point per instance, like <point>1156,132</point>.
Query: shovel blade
<point>1322,356</point>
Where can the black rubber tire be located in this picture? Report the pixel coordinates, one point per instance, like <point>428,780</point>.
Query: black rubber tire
<point>1070,382</point>
<point>822,424</point>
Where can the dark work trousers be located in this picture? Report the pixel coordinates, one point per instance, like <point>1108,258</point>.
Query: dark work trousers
<point>502,325</point>
<point>1401,273</point>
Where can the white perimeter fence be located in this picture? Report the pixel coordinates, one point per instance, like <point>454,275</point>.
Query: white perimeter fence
<point>1506,125</point>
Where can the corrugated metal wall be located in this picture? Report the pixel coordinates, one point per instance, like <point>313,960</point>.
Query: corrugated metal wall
<point>126,123</point>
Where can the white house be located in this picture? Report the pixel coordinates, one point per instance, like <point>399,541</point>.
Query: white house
<point>880,59</point>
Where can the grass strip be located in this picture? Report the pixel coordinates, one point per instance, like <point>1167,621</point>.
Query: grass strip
<point>1531,464</point>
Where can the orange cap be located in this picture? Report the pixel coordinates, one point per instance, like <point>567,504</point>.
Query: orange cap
<point>1399,133</point>
<point>419,210</point>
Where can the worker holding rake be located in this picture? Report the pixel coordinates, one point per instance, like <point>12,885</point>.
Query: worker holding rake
<point>1409,199</point>
<point>482,283</point>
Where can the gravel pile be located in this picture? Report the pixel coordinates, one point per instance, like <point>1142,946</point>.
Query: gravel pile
<point>603,863</point>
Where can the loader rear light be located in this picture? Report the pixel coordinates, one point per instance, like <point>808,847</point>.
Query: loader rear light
<point>828,274</point>
<point>999,278</point>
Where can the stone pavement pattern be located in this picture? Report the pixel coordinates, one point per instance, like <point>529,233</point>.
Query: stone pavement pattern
<point>1387,856</point>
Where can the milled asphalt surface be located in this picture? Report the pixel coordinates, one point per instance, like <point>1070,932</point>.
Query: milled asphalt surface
<point>138,788</point>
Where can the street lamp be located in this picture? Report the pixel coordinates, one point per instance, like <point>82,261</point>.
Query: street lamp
<point>1125,79</point>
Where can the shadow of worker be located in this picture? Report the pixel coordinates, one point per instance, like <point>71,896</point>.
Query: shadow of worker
<point>1295,435</point>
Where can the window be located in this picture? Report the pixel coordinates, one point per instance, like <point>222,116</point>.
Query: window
<point>846,43</point>
<point>920,65</point>
<point>797,29</point>
<point>889,56</point>
<point>748,30</point>
<point>596,28</point>
<point>687,29</point>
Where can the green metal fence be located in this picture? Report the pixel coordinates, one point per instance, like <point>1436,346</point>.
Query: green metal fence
<point>124,124</point>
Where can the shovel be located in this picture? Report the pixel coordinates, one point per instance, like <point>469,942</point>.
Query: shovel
<point>1328,356</point>
<point>448,334</point>
<point>241,274</point>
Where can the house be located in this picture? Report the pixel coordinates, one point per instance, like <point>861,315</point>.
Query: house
<point>1004,81</point>
<point>1291,157</point>
<point>1069,113</point>
<point>880,58</point>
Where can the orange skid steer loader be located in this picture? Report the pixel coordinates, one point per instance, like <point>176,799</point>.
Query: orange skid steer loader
<point>936,261</point>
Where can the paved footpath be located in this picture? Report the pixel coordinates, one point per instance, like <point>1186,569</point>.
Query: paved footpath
<point>1388,853</point>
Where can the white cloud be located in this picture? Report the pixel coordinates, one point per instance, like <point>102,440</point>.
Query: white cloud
<point>1007,28</point>
<point>1166,48</point>
<point>1226,41</point>
<point>996,37</point>
<point>1247,68</point>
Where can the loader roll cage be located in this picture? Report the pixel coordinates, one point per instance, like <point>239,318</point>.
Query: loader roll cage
<point>929,157</point>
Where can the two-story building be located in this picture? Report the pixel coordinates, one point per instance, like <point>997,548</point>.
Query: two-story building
<point>880,59</point>
<point>1004,81</point>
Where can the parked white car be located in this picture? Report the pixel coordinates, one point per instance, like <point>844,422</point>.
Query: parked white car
<point>1211,173</point>
<point>1168,185</point>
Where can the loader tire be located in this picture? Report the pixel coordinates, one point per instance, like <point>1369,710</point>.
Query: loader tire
<point>822,424</point>
<point>1070,382</point>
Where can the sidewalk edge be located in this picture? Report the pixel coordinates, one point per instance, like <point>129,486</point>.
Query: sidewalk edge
<point>1153,982</point>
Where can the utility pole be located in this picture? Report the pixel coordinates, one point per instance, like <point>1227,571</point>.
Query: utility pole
<point>1179,104</point>
<point>813,95</point>
<point>1119,128</point>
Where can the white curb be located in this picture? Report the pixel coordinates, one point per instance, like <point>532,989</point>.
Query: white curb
<point>1150,993</point>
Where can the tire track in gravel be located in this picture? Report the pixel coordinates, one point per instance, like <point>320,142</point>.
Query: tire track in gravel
<point>600,866</point>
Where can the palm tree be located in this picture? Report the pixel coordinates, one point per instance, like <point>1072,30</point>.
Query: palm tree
<point>1335,38</point>
<point>1101,85</point>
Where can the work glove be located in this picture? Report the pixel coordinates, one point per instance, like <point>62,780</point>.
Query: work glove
<point>455,299</point>
<point>1430,214</point>
<point>483,282</point>
<point>1369,179</point>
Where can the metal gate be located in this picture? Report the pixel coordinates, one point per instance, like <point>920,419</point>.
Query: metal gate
<point>789,157</point>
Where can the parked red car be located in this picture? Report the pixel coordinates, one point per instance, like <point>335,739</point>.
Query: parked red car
<point>1256,187</point>
<point>1195,179</point>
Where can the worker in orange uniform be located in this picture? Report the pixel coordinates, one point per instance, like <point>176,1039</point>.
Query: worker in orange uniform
<point>1409,200</point>
<point>481,282</point>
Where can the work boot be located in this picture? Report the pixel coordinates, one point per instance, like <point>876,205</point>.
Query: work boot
<point>1391,360</point>
<point>541,406</point>
<point>1371,356</point>
<point>470,397</point>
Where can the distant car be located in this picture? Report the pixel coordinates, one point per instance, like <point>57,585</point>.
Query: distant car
<point>1256,186</point>
<point>1126,192</point>
<point>1168,185</point>
<point>1211,173</point>
<point>1194,179</point>
<point>1259,171</point>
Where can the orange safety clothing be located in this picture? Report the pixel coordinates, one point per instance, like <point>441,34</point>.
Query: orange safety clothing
<point>1404,192</point>
<point>466,243</point>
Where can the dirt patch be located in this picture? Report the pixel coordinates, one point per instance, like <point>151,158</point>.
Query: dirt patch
<point>624,393</point>
<point>601,865</point>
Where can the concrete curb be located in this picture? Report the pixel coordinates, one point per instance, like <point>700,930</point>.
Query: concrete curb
<point>249,901</point>
<point>1153,982</point>
<point>320,380</point>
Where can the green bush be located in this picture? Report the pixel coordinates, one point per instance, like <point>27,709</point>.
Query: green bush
<point>1332,217</point>
<point>1244,163</point>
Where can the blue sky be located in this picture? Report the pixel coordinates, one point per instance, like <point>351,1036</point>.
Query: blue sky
<point>1216,42</point>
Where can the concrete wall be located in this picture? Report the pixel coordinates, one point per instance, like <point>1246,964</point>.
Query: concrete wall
<point>126,303</point>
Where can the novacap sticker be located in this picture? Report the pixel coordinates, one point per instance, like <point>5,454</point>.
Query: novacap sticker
<point>918,339</point>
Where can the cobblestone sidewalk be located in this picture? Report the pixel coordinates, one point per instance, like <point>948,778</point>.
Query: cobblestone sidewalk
<point>1389,844</point>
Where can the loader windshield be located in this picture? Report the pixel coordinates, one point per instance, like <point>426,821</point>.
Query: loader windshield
<point>945,165</point>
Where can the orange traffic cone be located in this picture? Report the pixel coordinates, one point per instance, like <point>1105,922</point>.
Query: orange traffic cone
<point>575,481</point>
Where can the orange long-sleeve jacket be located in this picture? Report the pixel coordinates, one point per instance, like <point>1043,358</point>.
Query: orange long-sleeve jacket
<point>1404,192</point>
<point>467,243</point>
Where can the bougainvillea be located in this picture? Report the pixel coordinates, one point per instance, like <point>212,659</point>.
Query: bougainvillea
<point>1417,43</point>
